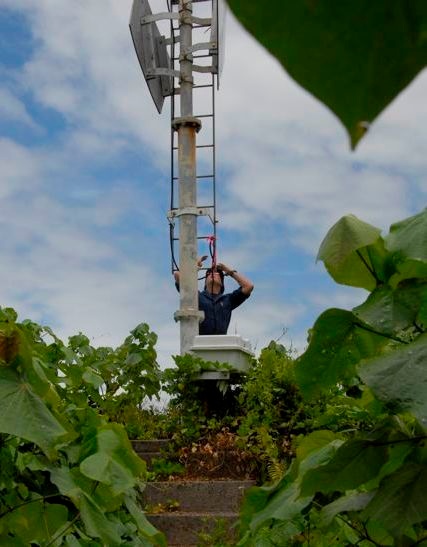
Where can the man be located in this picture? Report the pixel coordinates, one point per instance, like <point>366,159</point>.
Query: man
<point>216,305</point>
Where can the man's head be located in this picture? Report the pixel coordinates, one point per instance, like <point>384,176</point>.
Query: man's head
<point>214,281</point>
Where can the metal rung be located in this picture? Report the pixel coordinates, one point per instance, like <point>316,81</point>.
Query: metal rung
<point>204,116</point>
<point>198,146</point>
<point>198,177</point>
<point>202,85</point>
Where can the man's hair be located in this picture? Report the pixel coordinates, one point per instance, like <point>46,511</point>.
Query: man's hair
<point>221,273</point>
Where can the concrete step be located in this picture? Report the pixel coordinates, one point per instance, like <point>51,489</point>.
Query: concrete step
<point>150,449</point>
<point>185,528</point>
<point>204,496</point>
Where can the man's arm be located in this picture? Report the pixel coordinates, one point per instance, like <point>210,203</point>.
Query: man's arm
<point>245,283</point>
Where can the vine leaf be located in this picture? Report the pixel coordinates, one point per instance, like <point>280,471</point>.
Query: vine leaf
<point>337,344</point>
<point>400,500</point>
<point>34,522</point>
<point>348,252</point>
<point>355,57</point>
<point>354,463</point>
<point>79,489</point>
<point>391,311</point>
<point>144,526</point>
<point>407,243</point>
<point>400,378</point>
<point>24,414</point>
<point>114,464</point>
<point>355,501</point>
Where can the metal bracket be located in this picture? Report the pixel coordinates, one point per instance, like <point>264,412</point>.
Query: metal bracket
<point>189,312</point>
<point>152,18</point>
<point>186,121</point>
<point>201,46</point>
<point>197,211</point>
<point>198,68</point>
<point>184,17</point>
<point>153,72</point>
<point>170,41</point>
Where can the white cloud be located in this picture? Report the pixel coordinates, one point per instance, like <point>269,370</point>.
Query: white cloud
<point>85,209</point>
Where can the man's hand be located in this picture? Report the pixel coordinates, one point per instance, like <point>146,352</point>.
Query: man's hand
<point>224,268</point>
<point>200,260</point>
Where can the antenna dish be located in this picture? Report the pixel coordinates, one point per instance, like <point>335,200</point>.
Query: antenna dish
<point>150,47</point>
<point>218,35</point>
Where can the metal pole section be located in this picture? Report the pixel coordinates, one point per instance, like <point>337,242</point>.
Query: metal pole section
<point>187,127</point>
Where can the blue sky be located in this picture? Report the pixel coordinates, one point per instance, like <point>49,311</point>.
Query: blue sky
<point>84,179</point>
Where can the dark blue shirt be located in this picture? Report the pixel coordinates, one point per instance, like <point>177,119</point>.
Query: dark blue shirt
<point>218,308</point>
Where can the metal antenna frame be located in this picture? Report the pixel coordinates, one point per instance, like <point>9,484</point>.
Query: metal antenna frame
<point>156,68</point>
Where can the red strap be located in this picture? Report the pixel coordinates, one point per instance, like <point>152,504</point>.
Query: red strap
<point>212,249</point>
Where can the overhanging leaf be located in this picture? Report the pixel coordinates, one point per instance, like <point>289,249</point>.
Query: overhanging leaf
<point>346,255</point>
<point>24,414</point>
<point>390,310</point>
<point>145,527</point>
<point>401,499</point>
<point>407,242</point>
<point>354,463</point>
<point>400,378</point>
<point>337,344</point>
<point>355,57</point>
<point>354,501</point>
<point>114,464</point>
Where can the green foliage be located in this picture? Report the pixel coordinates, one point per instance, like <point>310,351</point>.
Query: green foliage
<point>270,409</point>
<point>364,484</point>
<point>68,476</point>
<point>116,381</point>
<point>161,468</point>
<point>355,57</point>
<point>195,407</point>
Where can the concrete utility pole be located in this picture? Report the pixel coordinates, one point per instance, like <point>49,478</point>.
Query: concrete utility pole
<point>187,127</point>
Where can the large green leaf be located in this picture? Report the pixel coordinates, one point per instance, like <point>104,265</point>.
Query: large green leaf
<point>337,344</point>
<point>37,521</point>
<point>355,463</point>
<point>284,501</point>
<point>81,491</point>
<point>145,527</point>
<point>401,499</point>
<point>346,254</point>
<point>400,378</point>
<point>115,463</point>
<point>24,414</point>
<point>355,501</point>
<point>390,310</point>
<point>355,57</point>
<point>407,242</point>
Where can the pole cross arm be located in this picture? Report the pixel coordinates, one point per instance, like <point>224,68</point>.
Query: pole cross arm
<point>189,312</point>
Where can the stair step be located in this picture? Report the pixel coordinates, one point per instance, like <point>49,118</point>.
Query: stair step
<point>206,496</point>
<point>184,528</point>
<point>148,457</point>
<point>153,445</point>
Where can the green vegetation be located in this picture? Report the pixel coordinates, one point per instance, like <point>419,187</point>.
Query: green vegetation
<point>68,474</point>
<point>364,484</point>
<point>337,436</point>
